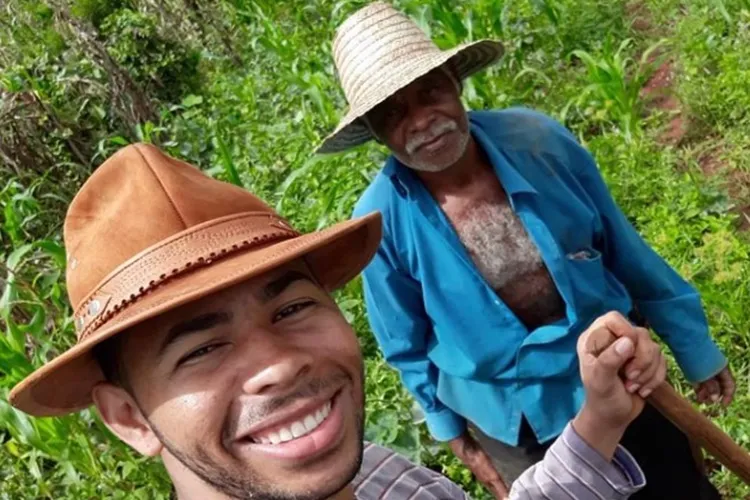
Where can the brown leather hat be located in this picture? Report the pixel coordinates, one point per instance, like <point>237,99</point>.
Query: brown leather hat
<point>147,233</point>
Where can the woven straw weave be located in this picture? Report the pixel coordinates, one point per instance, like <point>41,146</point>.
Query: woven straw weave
<point>377,52</point>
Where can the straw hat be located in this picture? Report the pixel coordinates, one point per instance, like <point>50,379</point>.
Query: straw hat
<point>378,51</point>
<point>147,233</point>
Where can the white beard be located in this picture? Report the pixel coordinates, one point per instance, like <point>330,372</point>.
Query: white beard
<point>433,165</point>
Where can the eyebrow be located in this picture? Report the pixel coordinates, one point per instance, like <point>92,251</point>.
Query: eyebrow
<point>206,321</point>
<point>277,286</point>
<point>192,326</point>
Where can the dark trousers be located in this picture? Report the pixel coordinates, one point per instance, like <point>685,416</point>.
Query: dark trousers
<point>665,455</point>
<point>662,451</point>
<point>667,460</point>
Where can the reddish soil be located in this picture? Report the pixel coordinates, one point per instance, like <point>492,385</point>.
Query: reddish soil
<point>658,92</point>
<point>660,97</point>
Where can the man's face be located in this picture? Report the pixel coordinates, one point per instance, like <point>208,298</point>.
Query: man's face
<point>256,390</point>
<point>424,124</point>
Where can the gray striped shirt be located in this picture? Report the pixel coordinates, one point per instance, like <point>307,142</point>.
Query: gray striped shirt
<point>571,470</point>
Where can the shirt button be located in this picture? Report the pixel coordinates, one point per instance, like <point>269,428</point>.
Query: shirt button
<point>497,302</point>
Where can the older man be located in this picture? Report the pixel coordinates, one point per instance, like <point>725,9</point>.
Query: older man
<point>501,245</point>
<point>207,337</point>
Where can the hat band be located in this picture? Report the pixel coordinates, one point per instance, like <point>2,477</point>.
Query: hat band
<point>193,248</point>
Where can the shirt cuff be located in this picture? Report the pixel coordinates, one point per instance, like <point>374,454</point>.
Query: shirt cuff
<point>618,478</point>
<point>445,424</point>
<point>681,323</point>
<point>629,467</point>
<point>711,362</point>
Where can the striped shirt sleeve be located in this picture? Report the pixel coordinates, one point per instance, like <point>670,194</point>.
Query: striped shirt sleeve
<point>387,475</point>
<point>572,470</point>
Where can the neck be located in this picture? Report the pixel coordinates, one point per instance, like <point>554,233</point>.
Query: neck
<point>345,494</point>
<point>461,173</point>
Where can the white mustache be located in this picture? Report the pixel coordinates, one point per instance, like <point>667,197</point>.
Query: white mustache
<point>436,130</point>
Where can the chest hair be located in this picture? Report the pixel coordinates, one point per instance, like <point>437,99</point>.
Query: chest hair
<point>498,243</point>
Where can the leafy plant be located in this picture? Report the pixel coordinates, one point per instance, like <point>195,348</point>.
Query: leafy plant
<point>615,81</point>
<point>154,61</point>
<point>246,89</point>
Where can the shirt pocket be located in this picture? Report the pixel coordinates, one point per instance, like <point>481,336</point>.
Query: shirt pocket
<point>588,278</point>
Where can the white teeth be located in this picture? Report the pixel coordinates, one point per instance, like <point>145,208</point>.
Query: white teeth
<point>286,435</point>
<point>274,437</point>
<point>310,422</point>
<point>297,429</point>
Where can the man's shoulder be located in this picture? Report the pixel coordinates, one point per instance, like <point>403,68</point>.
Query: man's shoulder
<point>378,196</point>
<point>384,474</point>
<point>515,118</point>
<point>522,129</point>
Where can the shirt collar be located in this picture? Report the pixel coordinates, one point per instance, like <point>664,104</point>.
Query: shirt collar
<point>510,178</point>
<point>404,178</point>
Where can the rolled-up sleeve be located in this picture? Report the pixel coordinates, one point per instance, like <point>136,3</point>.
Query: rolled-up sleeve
<point>401,326</point>
<point>672,307</point>
<point>571,469</point>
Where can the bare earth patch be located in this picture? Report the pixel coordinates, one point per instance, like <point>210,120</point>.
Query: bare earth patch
<point>736,182</point>
<point>659,96</point>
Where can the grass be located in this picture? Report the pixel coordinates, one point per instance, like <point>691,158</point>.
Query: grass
<point>250,92</point>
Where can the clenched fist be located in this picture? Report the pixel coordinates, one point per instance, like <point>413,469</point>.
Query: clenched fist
<point>620,365</point>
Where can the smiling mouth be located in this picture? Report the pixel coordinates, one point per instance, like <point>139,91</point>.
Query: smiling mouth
<point>296,429</point>
<point>299,436</point>
<point>432,142</point>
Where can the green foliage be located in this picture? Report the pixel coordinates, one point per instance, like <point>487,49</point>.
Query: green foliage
<point>615,84</point>
<point>166,65</point>
<point>96,11</point>
<point>246,89</point>
<point>715,54</point>
<point>53,457</point>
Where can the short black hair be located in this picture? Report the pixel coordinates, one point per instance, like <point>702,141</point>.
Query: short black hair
<point>108,355</point>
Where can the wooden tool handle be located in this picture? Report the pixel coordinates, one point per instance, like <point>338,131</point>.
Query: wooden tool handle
<point>686,418</point>
<point>701,429</point>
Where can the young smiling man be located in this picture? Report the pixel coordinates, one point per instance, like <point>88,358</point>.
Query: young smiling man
<point>501,244</point>
<point>207,337</point>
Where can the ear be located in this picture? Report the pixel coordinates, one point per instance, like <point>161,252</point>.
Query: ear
<point>121,414</point>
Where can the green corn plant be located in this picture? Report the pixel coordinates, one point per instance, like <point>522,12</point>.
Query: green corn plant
<point>615,80</point>
<point>257,123</point>
<point>57,453</point>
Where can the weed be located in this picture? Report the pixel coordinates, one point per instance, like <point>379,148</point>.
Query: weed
<point>614,83</point>
<point>246,90</point>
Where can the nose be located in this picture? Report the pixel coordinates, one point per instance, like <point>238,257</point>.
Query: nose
<point>420,118</point>
<point>275,366</point>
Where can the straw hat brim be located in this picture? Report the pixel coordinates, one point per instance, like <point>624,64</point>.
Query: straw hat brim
<point>335,256</point>
<point>466,60</point>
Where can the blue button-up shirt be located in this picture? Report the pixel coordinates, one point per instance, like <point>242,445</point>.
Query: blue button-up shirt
<point>460,350</point>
